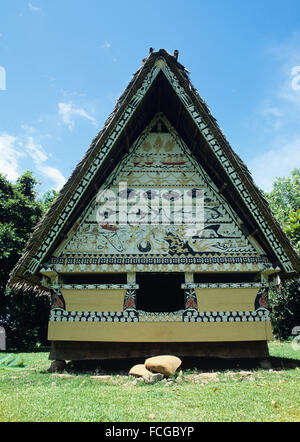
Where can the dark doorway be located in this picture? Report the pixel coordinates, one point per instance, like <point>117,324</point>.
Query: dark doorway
<point>160,292</point>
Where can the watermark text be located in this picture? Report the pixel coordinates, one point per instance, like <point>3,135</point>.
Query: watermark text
<point>295,72</point>
<point>2,79</point>
<point>155,206</point>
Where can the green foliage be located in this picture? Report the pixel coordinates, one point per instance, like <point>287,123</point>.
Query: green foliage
<point>284,303</point>
<point>292,228</point>
<point>47,199</point>
<point>24,315</point>
<point>25,318</point>
<point>285,195</point>
<point>19,213</point>
<point>284,200</point>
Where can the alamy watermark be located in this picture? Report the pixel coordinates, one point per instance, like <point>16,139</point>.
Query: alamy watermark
<point>155,206</point>
<point>295,72</point>
<point>2,79</point>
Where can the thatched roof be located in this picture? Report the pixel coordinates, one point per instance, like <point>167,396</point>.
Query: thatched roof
<point>161,96</point>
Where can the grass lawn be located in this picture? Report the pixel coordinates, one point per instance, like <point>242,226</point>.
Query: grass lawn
<point>29,393</point>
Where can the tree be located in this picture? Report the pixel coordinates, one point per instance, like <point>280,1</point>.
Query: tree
<point>285,308</point>
<point>47,199</point>
<point>284,201</point>
<point>20,210</point>
<point>292,228</point>
<point>19,213</point>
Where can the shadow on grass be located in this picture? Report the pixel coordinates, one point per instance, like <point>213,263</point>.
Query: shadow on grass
<point>242,363</point>
<point>122,366</point>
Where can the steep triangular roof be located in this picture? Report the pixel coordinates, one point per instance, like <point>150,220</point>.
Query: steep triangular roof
<point>161,84</point>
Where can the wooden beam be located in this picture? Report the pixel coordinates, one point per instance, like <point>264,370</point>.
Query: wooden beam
<point>63,235</point>
<point>194,140</point>
<point>222,188</point>
<point>127,143</point>
<point>179,115</point>
<point>126,140</point>
<point>159,98</point>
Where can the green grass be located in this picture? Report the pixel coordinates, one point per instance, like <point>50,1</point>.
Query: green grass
<point>32,394</point>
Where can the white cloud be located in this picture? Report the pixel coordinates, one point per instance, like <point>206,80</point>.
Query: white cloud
<point>35,151</point>
<point>34,8</point>
<point>28,129</point>
<point>9,156</point>
<point>277,162</point>
<point>105,45</point>
<point>39,157</point>
<point>69,112</point>
<point>53,175</point>
<point>17,151</point>
<point>269,110</point>
<point>277,118</point>
<point>69,94</point>
<point>287,59</point>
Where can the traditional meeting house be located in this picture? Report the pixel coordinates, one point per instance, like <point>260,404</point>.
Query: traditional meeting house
<point>160,242</point>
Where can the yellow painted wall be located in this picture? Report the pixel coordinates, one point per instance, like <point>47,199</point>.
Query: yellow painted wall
<point>111,300</point>
<point>209,299</point>
<point>226,299</point>
<point>104,300</point>
<point>159,331</point>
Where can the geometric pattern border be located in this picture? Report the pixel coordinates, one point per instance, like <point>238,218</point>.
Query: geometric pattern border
<point>121,260</point>
<point>261,314</point>
<point>241,316</point>
<point>95,286</point>
<point>233,285</point>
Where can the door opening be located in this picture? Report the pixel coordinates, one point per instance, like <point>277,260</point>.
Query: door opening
<point>160,292</point>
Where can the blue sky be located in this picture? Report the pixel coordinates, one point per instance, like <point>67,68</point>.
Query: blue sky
<point>64,63</point>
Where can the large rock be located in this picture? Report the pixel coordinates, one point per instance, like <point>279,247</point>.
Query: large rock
<point>165,364</point>
<point>139,370</point>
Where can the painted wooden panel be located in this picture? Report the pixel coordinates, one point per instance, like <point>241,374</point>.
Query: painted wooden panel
<point>159,332</point>
<point>94,300</point>
<point>226,299</point>
<point>161,181</point>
